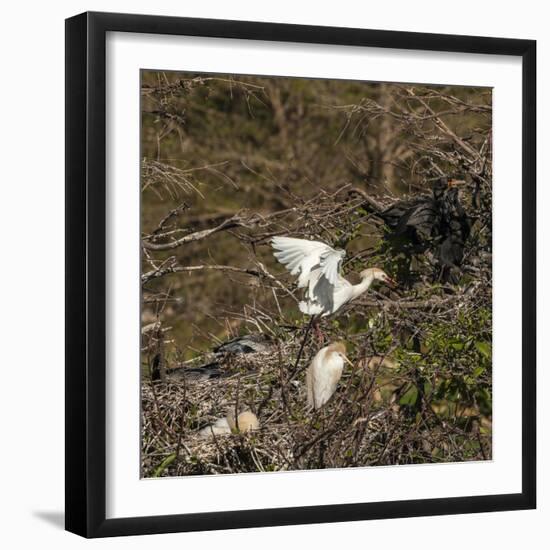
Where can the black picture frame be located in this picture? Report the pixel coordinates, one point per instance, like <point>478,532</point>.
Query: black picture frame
<point>86,275</point>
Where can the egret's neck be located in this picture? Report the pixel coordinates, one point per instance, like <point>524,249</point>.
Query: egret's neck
<point>363,286</point>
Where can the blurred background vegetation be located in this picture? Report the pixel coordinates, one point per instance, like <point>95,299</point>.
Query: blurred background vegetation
<point>221,144</point>
<point>298,156</point>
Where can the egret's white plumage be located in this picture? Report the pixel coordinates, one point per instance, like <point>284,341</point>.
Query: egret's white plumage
<point>303,257</point>
<point>318,268</point>
<point>220,427</point>
<point>324,373</point>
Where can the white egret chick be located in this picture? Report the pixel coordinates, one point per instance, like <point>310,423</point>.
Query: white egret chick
<point>324,373</point>
<point>318,267</point>
<point>246,422</point>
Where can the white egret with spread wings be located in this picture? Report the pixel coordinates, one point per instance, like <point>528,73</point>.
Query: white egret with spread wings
<point>318,267</point>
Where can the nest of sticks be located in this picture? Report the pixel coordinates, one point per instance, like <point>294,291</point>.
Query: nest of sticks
<point>364,424</point>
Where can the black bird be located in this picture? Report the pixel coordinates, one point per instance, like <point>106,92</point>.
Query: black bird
<point>455,229</point>
<point>424,217</point>
<point>418,218</point>
<point>250,343</point>
<point>436,222</point>
<point>190,374</point>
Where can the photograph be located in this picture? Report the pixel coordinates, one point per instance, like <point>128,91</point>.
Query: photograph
<point>316,273</point>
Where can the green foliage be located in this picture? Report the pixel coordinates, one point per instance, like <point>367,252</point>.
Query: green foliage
<point>163,465</point>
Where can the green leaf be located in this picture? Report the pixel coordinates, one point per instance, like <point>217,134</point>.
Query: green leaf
<point>410,396</point>
<point>484,348</point>
<point>164,464</point>
<point>458,346</point>
<point>478,371</point>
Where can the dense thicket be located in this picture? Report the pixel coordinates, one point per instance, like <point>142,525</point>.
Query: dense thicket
<point>230,161</point>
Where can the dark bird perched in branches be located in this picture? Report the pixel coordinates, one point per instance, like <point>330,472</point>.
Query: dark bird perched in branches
<point>250,343</point>
<point>191,374</point>
<point>425,217</point>
<point>436,222</point>
<point>455,229</point>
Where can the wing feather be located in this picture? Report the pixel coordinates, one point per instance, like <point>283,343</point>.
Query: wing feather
<point>330,265</point>
<point>309,259</point>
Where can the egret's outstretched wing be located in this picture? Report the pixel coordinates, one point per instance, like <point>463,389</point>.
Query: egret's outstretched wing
<point>303,257</point>
<point>330,264</point>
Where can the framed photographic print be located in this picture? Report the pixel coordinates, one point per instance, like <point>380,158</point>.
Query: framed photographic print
<point>300,274</point>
